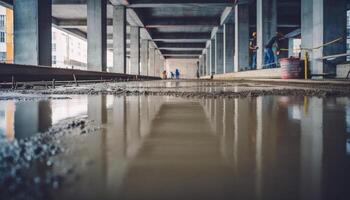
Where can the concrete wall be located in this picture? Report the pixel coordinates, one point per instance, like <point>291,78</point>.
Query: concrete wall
<point>187,67</point>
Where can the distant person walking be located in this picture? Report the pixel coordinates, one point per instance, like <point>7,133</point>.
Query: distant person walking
<point>172,75</point>
<point>270,61</point>
<point>164,74</point>
<point>253,47</point>
<point>177,73</point>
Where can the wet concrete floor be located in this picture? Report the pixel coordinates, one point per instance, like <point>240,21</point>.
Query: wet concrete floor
<point>161,147</point>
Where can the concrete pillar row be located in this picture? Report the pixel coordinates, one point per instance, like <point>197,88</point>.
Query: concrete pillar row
<point>229,47</point>
<point>119,39</point>
<point>97,35</point>
<point>241,58</point>
<point>266,26</point>
<point>219,52</point>
<point>32,32</point>
<point>135,50</point>
<point>212,57</point>
<point>144,57</point>
<point>323,21</point>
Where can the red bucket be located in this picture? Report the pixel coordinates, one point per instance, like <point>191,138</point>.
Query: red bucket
<point>290,68</point>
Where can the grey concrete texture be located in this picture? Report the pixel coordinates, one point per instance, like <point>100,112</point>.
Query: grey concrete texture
<point>266,26</point>
<point>219,53</point>
<point>229,47</point>
<point>135,50</point>
<point>97,35</point>
<point>32,23</point>
<point>119,39</point>
<point>144,57</point>
<point>241,59</point>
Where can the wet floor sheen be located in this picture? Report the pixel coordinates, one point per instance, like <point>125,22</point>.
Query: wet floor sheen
<point>153,147</point>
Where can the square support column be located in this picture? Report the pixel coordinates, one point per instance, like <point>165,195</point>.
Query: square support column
<point>266,26</point>
<point>241,60</point>
<point>119,39</point>
<point>323,21</point>
<point>201,65</point>
<point>151,66</point>
<point>208,61</point>
<point>204,64</point>
<point>135,49</point>
<point>212,57</point>
<point>219,52</point>
<point>229,46</point>
<point>144,57</point>
<point>97,35</point>
<point>157,64</point>
<point>32,32</point>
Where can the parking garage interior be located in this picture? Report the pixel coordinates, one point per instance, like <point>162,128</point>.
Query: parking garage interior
<point>174,99</point>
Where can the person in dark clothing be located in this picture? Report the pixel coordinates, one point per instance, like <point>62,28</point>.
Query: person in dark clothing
<point>177,73</point>
<point>269,54</point>
<point>253,47</point>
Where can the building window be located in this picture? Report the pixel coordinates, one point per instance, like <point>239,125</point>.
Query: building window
<point>54,47</point>
<point>2,22</point>
<point>2,37</point>
<point>54,61</point>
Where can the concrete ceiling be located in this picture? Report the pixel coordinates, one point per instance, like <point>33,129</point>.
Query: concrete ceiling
<point>178,28</point>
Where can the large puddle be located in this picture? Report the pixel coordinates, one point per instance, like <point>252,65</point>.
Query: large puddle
<point>154,147</point>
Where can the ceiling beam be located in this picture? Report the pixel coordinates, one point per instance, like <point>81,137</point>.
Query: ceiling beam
<point>181,21</point>
<point>181,37</point>
<point>181,45</point>
<point>181,57</point>
<point>167,52</point>
<point>179,3</point>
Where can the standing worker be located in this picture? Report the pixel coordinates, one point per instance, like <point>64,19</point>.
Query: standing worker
<point>253,47</point>
<point>269,54</point>
<point>177,73</point>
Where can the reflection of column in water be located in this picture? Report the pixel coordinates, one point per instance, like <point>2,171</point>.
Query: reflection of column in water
<point>259,130</point>
<point>311,150</point>
<point>244,148</point>
<point>228,130</point>
<point>9,120</point>
<point>219,116</point>
<point>97,108</point>
<point>45,115</point>
<point>26,119</point>
<point>116,144</point>
<point>335,171</point>
<point>133,125</point>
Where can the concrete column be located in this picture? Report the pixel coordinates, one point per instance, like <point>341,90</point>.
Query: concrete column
<point>201,65</point>
<point>144,57</point>
<point>119,39</point>
<point>241,60</point>
<point>229,46</point>
<point>159,64</point>
<point>323,21</point>
<point>135,49</point>
<point>219,52</point>
<point>208,62</point>
<point>97,35</point>
<point>204,64</point>
<point>151,69</point>
<point>32,32</point>
<point>212,56</point>
<point>266,26</point>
